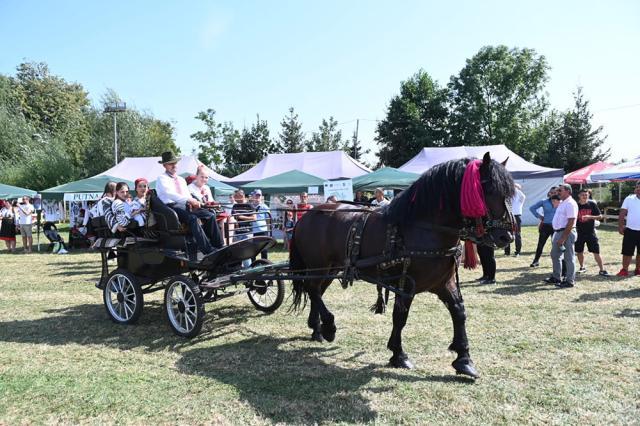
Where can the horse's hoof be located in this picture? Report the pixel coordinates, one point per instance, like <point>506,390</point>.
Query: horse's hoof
<point>465,367</point>
<point>316,336</point>
<point>401,361</point>
<point>328,332</point>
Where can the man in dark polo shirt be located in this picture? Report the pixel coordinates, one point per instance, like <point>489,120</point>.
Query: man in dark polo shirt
<point>588,213</point>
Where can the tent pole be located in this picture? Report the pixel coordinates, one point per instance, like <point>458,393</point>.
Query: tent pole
<point>619,191</point>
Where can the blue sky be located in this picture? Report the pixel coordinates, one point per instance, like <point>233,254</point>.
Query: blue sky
<point>338,58</point>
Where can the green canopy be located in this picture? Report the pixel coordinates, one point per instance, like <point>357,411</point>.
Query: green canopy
<point>386,177</point>
<point>8,192</point>
<point>217,187</point>
<point>89,186</point>
<point>290,182</point>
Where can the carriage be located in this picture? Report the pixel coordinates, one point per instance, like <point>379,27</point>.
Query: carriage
<point>163,256</point>
<point>411,246</point>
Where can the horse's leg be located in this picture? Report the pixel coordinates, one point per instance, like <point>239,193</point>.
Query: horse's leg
<point>314,317</point>
<point>326,322</point>
<point>401,308</point>
<point>452,299</point>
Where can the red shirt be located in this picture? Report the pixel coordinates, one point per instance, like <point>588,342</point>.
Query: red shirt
<point>302,207</point>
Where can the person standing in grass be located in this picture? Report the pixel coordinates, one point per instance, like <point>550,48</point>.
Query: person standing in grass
<point>588,213</point>
<point>517,203</point>
<point>629,227</point>
<point>545,230</point>
<point>25,219</point>
<point>8,227</point>
<point>564,237</point>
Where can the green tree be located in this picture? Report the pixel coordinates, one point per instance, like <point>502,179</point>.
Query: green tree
<point>244,151</point>
<point>139,135</point>
<point>355,149</point>
<point>54,106</point>
<point>416,118</point>
<point>327,138</point>
<point>210,150</point>
<point>497,98</point>
<point>291,135</point>
<point>573,143</point>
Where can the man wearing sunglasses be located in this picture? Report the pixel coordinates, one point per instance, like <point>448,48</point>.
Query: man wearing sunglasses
<point>564,238</point>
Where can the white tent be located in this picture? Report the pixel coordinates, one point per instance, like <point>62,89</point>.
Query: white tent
<point>327,165</point>
<point>535,180</point>
<point>132,168</point>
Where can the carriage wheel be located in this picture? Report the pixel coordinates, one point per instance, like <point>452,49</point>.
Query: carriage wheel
<point>265,295</point>
<point>184,306</point>
<point>123,297</point>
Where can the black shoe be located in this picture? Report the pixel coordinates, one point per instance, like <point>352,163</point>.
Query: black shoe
<point>488,281</point>
<point>516,254</point>
<point>552,280</point>
<point>534,264</point>
<point>480,279</point>
<point>564,284</point>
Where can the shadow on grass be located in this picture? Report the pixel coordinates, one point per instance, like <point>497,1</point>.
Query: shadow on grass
<point>629,313</point>
<point>89,324</point>
<point>622,294</point>
<point>521,284</point>
<point>287,383</point>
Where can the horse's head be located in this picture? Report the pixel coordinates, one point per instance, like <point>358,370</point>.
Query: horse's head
<point>495,227</point>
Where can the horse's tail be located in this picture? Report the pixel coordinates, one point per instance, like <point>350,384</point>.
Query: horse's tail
<point>296,264</point>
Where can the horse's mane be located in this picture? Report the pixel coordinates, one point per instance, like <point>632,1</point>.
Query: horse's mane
<point>437,191</point>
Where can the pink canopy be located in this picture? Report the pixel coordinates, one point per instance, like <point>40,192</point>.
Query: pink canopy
<point>583,175</point>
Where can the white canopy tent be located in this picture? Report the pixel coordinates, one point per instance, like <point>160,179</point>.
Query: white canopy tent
<point>132,168</point>
<point>535,180</point>
<point>327,165</point>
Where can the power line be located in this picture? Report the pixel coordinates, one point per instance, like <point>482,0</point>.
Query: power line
<point>619,107</point>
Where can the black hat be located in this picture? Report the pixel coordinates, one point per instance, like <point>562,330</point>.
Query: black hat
<point>168,157</point>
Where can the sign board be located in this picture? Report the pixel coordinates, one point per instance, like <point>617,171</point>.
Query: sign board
<point>83,196</point>
<point>342,189</point>
<point>312,190</point>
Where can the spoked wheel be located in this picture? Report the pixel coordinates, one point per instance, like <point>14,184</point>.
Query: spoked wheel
<point>265,295</point>
<point>123,297</point>
<point>184,306</point>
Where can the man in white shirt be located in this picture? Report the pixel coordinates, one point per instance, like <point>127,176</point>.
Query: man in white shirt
<point>379,200</point>
<point>517,202</point>
<point>25,220</point>
<point>564,238</point>
<point>629,226</point>
<point>172,190</point>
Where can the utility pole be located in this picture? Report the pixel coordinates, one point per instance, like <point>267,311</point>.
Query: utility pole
<point>115,108</point>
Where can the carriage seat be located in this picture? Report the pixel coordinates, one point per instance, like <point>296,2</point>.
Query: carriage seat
<point>100,227</point>
<point>165,218</point>
<point>165,223</point>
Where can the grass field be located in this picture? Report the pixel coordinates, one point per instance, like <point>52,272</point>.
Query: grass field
<point>567,356</point>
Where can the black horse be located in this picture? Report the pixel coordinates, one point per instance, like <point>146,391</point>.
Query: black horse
<point>413,243</point>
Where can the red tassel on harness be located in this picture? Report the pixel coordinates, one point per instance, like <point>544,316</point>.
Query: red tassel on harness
<point>470,261</point>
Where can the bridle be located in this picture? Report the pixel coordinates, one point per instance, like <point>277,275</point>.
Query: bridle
<point>478,230</point>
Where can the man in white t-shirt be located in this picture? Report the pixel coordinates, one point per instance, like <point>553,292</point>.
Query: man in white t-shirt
<point>629,226</point>
<point>564,238</point>
<point>25,220</point>
<point>379,200</point>
<point>517,202</point>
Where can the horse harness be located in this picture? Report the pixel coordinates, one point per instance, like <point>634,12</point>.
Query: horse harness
<point>394,254</point>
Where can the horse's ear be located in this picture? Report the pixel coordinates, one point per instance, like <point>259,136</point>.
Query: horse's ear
<point>486,160</point>
<point>504,163</point>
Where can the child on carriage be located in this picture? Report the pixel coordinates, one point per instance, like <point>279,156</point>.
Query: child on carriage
<point>121,211</point>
